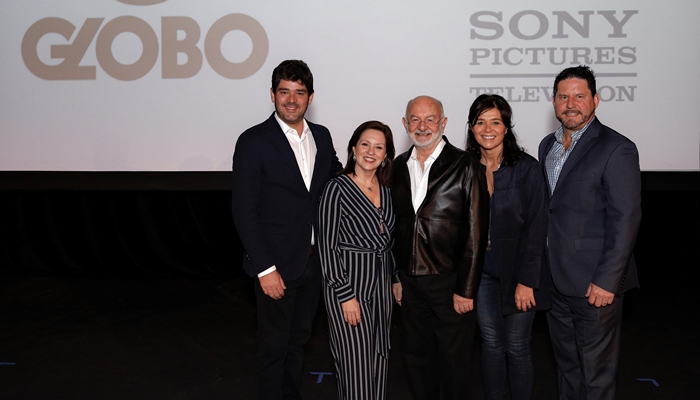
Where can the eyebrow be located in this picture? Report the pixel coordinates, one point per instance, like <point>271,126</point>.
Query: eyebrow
<point>295,90</point>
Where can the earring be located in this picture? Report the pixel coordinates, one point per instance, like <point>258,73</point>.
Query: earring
<point>383,162</point>
<point>354,158</point>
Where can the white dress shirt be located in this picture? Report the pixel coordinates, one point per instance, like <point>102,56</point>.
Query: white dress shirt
<point>304,148</point>
<point>419,176</point>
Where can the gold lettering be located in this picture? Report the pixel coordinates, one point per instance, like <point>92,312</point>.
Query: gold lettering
<point>170,26</point>
<point>72,54</point>
<point>149,56</point>
<point>212,46</point>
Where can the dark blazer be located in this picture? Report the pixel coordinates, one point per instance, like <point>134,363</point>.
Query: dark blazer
<point>448,233</point>
<point>519,231</point>
<point>273,211</point>
<point>594,213</point>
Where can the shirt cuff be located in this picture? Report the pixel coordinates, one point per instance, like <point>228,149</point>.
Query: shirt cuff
<point>267,271</point>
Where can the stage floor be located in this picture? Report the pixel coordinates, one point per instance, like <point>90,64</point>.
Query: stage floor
<point>78,338</point>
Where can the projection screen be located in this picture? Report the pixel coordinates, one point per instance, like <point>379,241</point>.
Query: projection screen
<point>168,85</point>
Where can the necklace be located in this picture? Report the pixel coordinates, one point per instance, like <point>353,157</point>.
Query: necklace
<point>354,177</point>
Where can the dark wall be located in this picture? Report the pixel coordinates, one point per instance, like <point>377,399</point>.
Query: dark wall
<point>119,233</point>
<point>160,225</point>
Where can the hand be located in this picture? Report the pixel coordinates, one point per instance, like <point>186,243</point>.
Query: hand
<point>272,285</point>
<point>351,311</point>
<point>599,297</point>
<point>524,297</point>
<point>462,304</point>
<point>397,289</point>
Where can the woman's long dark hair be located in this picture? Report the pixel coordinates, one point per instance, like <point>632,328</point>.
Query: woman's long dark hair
<point>512,152</point>
<point>383,172</point>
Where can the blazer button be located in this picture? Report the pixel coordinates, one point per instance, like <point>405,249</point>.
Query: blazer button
<point>551,211</point>
<point>311,197</point>
<point>309,224</point>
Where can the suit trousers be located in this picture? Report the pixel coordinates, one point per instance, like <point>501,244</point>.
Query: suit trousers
<point>438,343</point>
<point>284,326</point>
<point>586,343</point>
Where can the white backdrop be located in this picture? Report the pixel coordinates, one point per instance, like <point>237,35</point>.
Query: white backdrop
<point>107,96</point>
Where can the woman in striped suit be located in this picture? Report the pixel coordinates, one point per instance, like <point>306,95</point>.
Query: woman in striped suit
<point>356,221</point>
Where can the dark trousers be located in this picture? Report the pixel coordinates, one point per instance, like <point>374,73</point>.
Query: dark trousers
<point>437,342</point>
<point>586,342</point>
<point>284,326</point>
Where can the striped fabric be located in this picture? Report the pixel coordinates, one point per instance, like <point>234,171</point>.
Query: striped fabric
<point>356,262</point>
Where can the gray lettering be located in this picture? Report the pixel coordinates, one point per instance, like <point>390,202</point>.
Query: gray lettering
<point>506,56</point>
<point>535,55</point>
<point>617,25</point>
<point>478,23</point>
<point>582,29</point>
<point>627,55</point>
<point>478,54</point>
<point>515,25</point>
<point>581,55</point>
<point>563,55</point>
<point>629,94</point>
<point>604,55</point>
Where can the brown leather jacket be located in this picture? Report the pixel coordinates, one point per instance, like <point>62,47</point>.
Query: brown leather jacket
<point>449,232</point>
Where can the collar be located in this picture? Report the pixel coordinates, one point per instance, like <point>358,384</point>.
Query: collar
<point>286,128</point>
<point>434,155</point>
<point>559,134</point>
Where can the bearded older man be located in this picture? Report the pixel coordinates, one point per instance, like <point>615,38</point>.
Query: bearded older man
<point>441,205</point>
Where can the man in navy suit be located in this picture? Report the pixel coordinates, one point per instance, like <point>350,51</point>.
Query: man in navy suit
<point>594,214</point>
<point>279,170</point>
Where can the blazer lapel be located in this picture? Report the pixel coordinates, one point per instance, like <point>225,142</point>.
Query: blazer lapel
<point>321,162</point>
<point>589,138</point>
<point>278,138</point>
<point>543,160</point>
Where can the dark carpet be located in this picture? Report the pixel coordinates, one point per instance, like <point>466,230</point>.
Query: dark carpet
<point>77,338</point>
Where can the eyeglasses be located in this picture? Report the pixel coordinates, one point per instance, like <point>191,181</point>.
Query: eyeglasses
<point>430,121</point>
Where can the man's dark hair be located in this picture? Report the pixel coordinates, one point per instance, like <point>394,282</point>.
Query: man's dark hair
<point>384,171</point>
<point>512,152</point>
<point>581,72</point>
<point>295,71</point>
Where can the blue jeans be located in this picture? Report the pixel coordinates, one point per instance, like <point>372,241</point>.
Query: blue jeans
<point>506,344</point>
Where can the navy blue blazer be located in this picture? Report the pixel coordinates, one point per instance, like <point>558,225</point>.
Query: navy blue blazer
<point>273,211</point>
<point>519,231</point>
<point>594,213</point>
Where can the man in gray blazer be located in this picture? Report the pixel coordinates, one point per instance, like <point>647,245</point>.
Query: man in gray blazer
<point>594,214</point>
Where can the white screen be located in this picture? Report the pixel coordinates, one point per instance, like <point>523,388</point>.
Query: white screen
<point>125,93</point>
